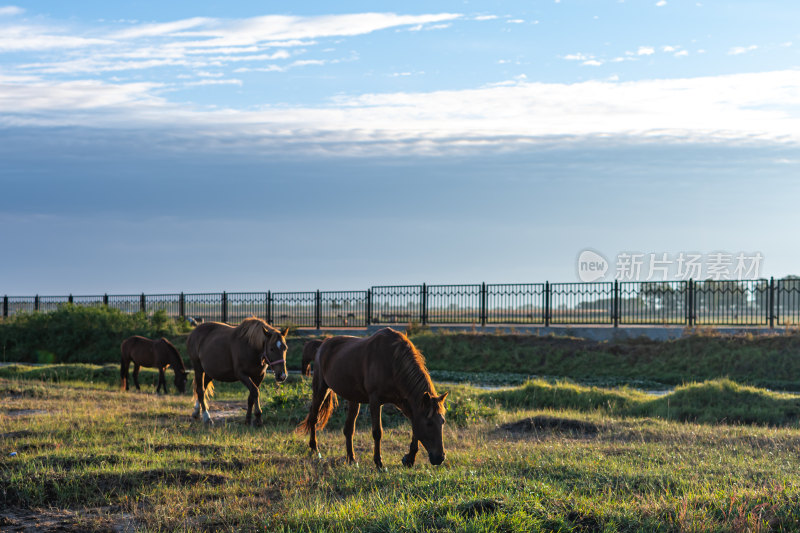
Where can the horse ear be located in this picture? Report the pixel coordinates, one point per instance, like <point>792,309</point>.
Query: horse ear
<point>441,398</point>
<point>285,332</point>
<point>426,399</point>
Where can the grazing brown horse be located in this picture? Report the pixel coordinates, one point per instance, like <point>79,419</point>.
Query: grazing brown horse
<point>243,353</point>
<point>383,368</point>
<point>152,353</point>
<point>309,353</point>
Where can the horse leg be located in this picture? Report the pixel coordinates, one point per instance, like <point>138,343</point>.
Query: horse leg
<point>410,457</point>
<point>125,364</point>
<point>162,381</point>
<point>203,406</point>
<point>320,392</point>
<point>199,392</point>
<point>252,398</point>
<point>349,428</point>
<point>377,430</point>
<point>136,368</point>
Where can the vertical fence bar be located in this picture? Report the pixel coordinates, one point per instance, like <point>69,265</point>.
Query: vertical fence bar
<point>142,303</point>
<point>36,303</point>
<point>547,304</point>
<point>771,303</point>
<point>691,310</point>
<point>615,304</point>
<point>483,304</point>
<point>368,313</point>
<point>105,299</point>
<point>224,306</point>
<point>182,305</point>
<point>423,314</point>
<point>5,306</point>
<point>318,311</point>
<point>269,307</point>
<point>70,300</point>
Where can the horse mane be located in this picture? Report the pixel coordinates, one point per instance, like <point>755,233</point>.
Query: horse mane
<point>252,330</point>
<point>410,368</point>
<point>177,360</point>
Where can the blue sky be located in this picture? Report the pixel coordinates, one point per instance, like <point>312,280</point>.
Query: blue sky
<point>200,146</point>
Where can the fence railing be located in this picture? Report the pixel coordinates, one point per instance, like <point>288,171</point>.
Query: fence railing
<point>759,302</point>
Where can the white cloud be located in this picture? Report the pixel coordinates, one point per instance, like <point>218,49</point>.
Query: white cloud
<point>515,21</point>
<point>592,63</point>
<point>8,11</point>
<point>739,50</point>
<point>198,83</point>
<point>645,51</point>
<point>682,53</point>
<point>485,17</point>
<point>661,3</point>
<point>732,108</point>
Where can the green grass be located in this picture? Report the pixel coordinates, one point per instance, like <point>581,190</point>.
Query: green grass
<point>97,458</point>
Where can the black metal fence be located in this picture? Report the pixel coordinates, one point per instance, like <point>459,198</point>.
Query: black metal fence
<point>758,302</point>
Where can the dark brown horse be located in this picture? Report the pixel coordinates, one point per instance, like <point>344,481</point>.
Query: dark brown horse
<point>383,368</point>
<point>153,354</point>
<point>243,353</point>
<point>309,353</point>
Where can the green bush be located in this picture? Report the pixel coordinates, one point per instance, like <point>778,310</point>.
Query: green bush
<point>77,334</point>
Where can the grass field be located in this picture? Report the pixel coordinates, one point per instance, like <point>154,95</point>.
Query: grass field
<point>714,456</point>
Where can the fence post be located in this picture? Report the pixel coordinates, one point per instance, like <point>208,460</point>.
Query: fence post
<point>269,307</point>
<point>142,303</point>
<point>483,304</point>
<point>224,306</point>
<point>318,311</point>
<point>368,313</point>
<point>690,315</point>
<point>615,304</point>
<point>547,304</point>
<point>105,299</point>
<point>5,305</point>
<point>772,303</point>
<point>36,303</point>
<point>424,305</point>
<point>182,305</point>
<point>70,300</point>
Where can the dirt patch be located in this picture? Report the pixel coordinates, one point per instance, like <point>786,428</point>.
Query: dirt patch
<point>478,507</point>
<point>552,424</point>
<point>17,413</point>
<point>16,434</point>
<point>178,447</point>
<point>64,521</point>
<point>50,487</point>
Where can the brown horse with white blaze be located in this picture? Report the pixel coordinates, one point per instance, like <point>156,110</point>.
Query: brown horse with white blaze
<point>242,353</point>
<point>383,368</point>
<point>152,354</point>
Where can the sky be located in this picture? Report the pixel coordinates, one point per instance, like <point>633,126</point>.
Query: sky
<point>250,146</point>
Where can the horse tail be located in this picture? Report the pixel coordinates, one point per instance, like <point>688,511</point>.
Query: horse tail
<point>208,393</point>
<point>326,408</point>
<point>309,354</point>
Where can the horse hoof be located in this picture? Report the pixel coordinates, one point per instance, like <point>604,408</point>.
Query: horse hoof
<point>408,461</point>
<point>257,423</point>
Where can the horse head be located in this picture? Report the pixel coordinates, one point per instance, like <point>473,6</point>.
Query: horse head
<point>274,355</point>
<point>181,377</point>
<point>427,422</point>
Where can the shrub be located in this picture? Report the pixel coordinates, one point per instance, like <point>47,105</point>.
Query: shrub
<point>77,334</point>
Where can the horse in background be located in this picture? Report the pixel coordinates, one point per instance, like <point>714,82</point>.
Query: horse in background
<point>242,353</point>
<point>309,353</point>
<point>382,368</point>
<point>150,353</point>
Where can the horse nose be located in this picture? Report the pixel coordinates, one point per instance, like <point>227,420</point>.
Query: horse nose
<point>436,460</point>
<point>280,378</point>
